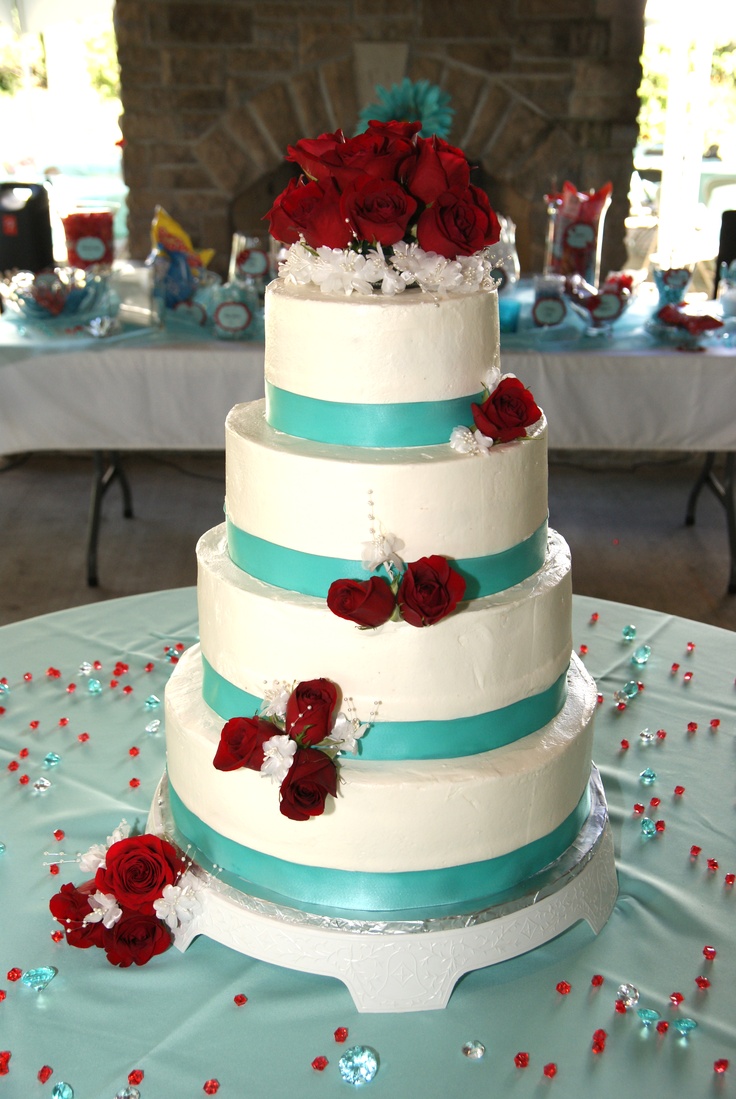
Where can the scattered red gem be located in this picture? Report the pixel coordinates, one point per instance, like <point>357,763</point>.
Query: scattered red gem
<point>63,722</point>
<point>134,783</point>
<point>211,1087</point>
<point>720,1066</point>
<point>596,980</point>
<point>33,724</point>
<point>564,988</point>
<point>702,983</point>
<point>240,999</point>
<point>45,1073</point>
<point>713,864</point>
<point>113,683</point>
<point>53,673</point>
<point>620,1007</point>
<point>134,752</point>
<point>620,706</point>
<point>23,753</point>
<point>709,952</point>
<point>4,1059</point>
<point>599,1036</point>
<point>583,650</point>
<point>179,647</point>
<point>550,1070</point>
<point>692,726</point>
<point>97,666</point>
<point>173,659</point>
<point>679,791</point>
<point>127,690</point>
<point>57,936</point>
<point>54,868</point>
<point>687,677</point>
<point>598,1047</point>
<point>690,646</point>
<point>14,974</point>
<point>662,1026</point>
<point>661,734</point>
<point>27,676</point>
<point>639,685</point>
<point>2,709</point>
<point>13,765</point>
<point>729,879</point>
<point>521,1060</point>
<point>660,825</point>
<point>715,723</point>
<point>654,802</point>
<point>120,668</point>
<point>676,999</point>
<point>341,1034</point>
<point>71,688</point>
<point>135,1077</point>
<point>319,1064</point>
<point>674,669</point>
<point>24,780</point>
<point>695,851</point>
<point>600,700</point>
<point>594,616</point>
<point>638,808</point>
<point>58,834</point>
<point>3,994</point>
<point>624,745</point>
<point>83,738</point>
<point>149,666</point>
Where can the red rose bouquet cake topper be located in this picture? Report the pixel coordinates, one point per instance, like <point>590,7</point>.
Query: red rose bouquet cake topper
<point>385,208</point>
<point>142,891</point>
<point>294,743</point>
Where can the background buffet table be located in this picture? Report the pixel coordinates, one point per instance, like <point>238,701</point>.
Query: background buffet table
<point>176,1022</point>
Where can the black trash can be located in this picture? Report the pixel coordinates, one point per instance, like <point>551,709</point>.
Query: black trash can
<point>25,227</point>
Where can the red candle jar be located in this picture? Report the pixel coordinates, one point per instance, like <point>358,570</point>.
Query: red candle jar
<point>89,236</point>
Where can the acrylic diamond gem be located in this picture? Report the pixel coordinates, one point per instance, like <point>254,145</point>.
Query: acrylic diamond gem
<point>211,1087</point>
<point>709,952</point>
<point>648,776</point>
<point>51,759</point>
<point>128,1092</point>
<point>628,633</point>
<point>648,827</point>
<point>153,726</point>
<point>135,1077</point>
<point>630,689</point>
<point>521,1060</point>
<point>641,654</point>
<point>39,979</point>
<point>648,1016</point>
<point>596,980</point>
<point>676,999</point>
<point>628,994</point>
<point>62,1090</point>
<point>44,1073</point>
<point>647,737</point>
<point>685,1026</point>
<point>2,848</point>
<point>319,1064</point>
<point>41,785</point>
<point>720,1066</point>
<point>550,1070</point>
<point>563,987</point>
<point>473,1050</point>
<point>85,667</point>
<point>94,687</point>
<point>341,1034</point>
<point>358,1065</point>
<point>662,1027</point>
<point>151,703</point>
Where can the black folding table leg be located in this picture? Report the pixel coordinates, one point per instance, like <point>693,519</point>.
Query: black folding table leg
<point>724,493</point>
<point>107,468</point>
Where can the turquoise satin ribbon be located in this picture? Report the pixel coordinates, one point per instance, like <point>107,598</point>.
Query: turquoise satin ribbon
<point>394,740</point>
<point>412,423</point>
<point>312,574</point>
<point>364,891</point>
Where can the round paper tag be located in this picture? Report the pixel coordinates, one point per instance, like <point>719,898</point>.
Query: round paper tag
<point>607,307</point>
<point>90,248</point>
<point>233,316</point>
<point>547,312</point>
<point>252,261</point>
<point>190,311</point>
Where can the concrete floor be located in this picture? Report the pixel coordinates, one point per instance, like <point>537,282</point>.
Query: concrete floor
<point>622,516</point>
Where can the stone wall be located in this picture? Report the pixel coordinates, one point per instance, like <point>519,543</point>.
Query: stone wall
<point>214,90</point>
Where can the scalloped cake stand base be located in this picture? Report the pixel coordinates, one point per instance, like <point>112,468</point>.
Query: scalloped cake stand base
<point>411,963</point>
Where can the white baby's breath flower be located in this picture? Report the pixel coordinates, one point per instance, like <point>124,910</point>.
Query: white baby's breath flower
<point>278,756</point>
<point>275,699</point>
<point>345,733</point>
<point>91,861</point>
<point>180,903</point>
<point>492,377</point>
<point>105,910</point>
<point>463,440</point>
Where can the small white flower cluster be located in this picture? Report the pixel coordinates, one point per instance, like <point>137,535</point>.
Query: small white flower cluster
<point>467,440</point>
<point>337,270</point>
<point>280,749</point>
<point>383,549</point>
<point>92,860</point>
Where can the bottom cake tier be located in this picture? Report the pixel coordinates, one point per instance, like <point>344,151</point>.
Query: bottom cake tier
<point>401,835</point>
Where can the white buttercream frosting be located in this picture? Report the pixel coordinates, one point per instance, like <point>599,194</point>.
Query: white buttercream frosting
<point>412,815</point>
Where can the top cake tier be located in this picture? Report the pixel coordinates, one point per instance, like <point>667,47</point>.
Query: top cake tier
<point>376,371</point>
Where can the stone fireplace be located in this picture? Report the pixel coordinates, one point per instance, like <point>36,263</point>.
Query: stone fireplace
<point>213,91</point>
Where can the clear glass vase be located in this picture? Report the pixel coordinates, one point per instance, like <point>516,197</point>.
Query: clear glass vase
<point>575,222</point>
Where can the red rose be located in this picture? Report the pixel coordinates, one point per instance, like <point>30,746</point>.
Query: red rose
<point>438,167</point>
<point>241,743</point>
<point>310,153</point>
<point>399,129</point>
<point>311,777</point>
<point>365,602</point>
<point>458,223</point>
<point>135,939</point>
<point>136,871</point>
<point>309,711</point>
<point>375,153</point>
<point>507,412</point>
<point>377,209</point>
<point>430,590</point>
<point>69,907</point>
<point>311,210</point>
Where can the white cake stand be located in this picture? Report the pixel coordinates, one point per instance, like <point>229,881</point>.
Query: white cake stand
<point>407,964</point>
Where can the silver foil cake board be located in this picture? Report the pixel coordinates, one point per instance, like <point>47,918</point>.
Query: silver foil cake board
<point>406,964</point>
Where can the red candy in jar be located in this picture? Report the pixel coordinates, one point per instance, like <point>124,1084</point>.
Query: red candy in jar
<point>89,237</point>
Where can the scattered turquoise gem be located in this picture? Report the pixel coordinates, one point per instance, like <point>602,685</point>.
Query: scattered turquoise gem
<point>628,633</point>
<point>2,848</point>
<point>646,736</point>
<point>648,776</point>
<point>631,689</point>
<point>94,687</point>
<point>4,689</point>
<point>153,726</point>
<point>648,827</point>
<point>39,979</point>
<point>128,1092</point>
<point>628,994</point>
<point>648,1016</point>
<point>474,1050</point>
<point>151,703</point>
<point>62,1090</point>
<point>85,667</point>
<point>641,655</point>
<point>41,785</point>
<point>358,1065</point>
<point>685,1026</point>
<point>51,759</point>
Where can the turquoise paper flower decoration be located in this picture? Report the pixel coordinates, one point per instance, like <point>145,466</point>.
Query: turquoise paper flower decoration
<point>411,101</point>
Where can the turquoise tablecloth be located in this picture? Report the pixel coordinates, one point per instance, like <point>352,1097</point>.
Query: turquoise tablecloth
<point>175,1019</point>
